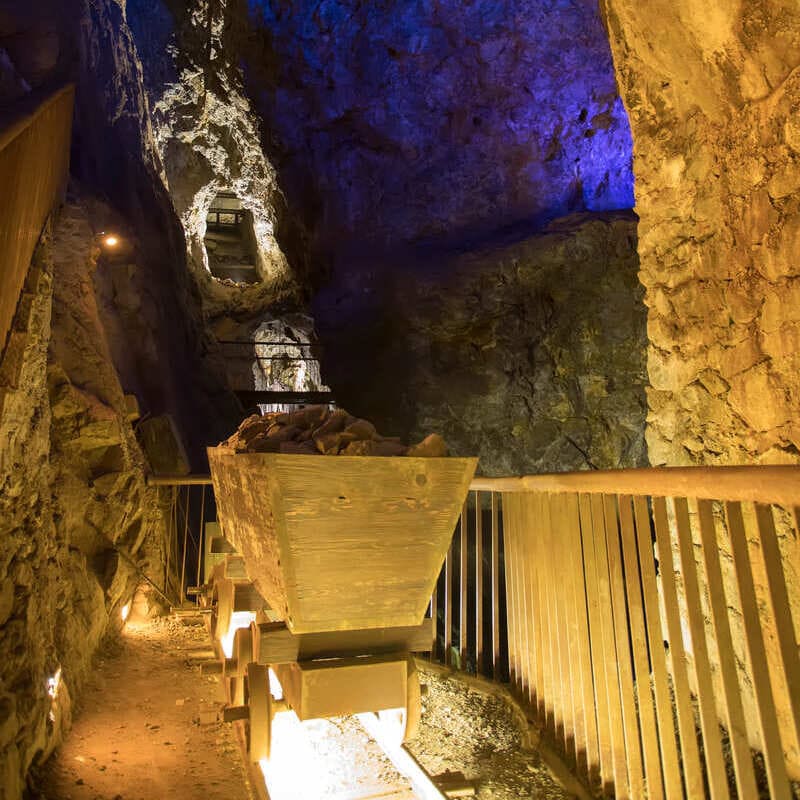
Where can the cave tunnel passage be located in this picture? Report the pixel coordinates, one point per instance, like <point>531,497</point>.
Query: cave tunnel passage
<point>230,240</point>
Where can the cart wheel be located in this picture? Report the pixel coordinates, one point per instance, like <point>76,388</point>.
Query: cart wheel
<point>259,703</point>
<point>224,608</point>
<point>401,724</point>
<point>242,656</point>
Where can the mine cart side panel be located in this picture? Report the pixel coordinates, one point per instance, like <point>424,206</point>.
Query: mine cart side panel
<point>366,537</point>
<point>244,507</point>
<point>360,540</point>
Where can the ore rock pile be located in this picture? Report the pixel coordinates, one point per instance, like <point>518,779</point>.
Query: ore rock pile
<point>317,430</point>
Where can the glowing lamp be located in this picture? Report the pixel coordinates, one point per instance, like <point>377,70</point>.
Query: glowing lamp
<point>124,611</point>
<point>111,241</point>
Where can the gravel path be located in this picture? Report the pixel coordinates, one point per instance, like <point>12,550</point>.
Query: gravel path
<point>468,731</point>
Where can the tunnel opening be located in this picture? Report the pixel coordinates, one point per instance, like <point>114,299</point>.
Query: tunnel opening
<point>230,240</point>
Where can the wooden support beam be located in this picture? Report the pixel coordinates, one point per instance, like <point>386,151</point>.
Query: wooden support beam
<point>276,644</point>
<point>336,687</point>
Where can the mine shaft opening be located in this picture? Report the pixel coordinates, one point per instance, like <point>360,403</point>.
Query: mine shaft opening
<point>230,240</point>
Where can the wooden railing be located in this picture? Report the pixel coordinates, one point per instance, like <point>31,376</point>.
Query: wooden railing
<point>650,625</point>
<point>34,162</point>
<point>468,605</point>
<point>644,616</point>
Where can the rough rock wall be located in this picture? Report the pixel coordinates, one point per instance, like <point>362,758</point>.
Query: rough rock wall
<point>75,513</point>
<point>529,354</point>
<point>397,122</point>
<point>31,49</point>
<point>207,135</point>
<point>714,111</point>
<point>116,158</point>
<point>714,103</point>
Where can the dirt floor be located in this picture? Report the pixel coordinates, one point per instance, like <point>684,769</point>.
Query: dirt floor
<point>137,734</point>
<point>146,729</point>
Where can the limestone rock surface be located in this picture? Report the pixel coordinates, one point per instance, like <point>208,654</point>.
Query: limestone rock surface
<point>714,117</point>
<point>529,354</point>
<point>77,521</point>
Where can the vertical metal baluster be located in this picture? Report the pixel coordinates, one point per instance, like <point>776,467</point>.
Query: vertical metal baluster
<point>478,585</point>
<point>462,612</point>
<point>201,537</point>
<point>495,586</point>
<point>185,542</point>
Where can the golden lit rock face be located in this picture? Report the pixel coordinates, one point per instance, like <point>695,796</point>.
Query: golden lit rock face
<point>713,99</point>
<point>713,94</point>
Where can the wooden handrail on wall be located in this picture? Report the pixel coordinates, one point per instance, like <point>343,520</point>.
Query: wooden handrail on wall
<point>34,163</point>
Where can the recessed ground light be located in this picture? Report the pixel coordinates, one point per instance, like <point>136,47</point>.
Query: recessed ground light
<point>111,240</point>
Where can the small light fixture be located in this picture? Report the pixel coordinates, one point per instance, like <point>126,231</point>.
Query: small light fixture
<point>124,611</point>
<point>111,240</point>
<point>53,685</point>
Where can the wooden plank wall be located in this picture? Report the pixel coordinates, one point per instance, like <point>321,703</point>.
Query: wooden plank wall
<point>34,162</point>
<point>620,641</point>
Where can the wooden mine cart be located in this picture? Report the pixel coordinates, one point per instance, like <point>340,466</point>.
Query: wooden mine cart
<point>345,550</point>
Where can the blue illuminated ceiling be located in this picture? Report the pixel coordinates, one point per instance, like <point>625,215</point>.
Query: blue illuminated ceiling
<point>401,121</point>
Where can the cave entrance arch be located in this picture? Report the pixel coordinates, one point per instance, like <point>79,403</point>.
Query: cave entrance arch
<point>230,240</point>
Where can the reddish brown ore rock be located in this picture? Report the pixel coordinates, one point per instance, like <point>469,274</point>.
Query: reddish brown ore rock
<point>316,430</point>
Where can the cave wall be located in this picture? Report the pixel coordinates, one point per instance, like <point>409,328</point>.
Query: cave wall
<point>76,514</point>
<point>397,122</point>
<point>713,102</point>
<point>529,354</point>
<point>72,498</point>
<point>116,158</point>
<point>209,138</point>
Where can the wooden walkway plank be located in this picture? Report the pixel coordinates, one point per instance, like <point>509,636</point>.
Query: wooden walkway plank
<point>566,534</point>
<point>781,611</point>
<point>622,637</point>
<point>521,577</point>
<point>655,638</point>
<point>770,735</point>
<point>709,724</point>
<point>510,533</point>
<point>582,655</point>
<point>537,619</point>
<point>552,675</point>
<point>652,762</point>
<point>737,727</point>
<point>595,614</point>
<point>561,644</point>
<point>609,655</point>
<point>693,774</point>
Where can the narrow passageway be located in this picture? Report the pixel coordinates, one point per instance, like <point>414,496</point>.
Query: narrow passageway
<point>147,727</point>
<point>143,729</point>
